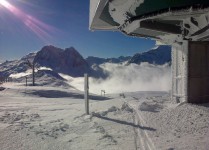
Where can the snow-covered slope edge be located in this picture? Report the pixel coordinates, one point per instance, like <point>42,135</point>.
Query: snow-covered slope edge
<point>175,126</point>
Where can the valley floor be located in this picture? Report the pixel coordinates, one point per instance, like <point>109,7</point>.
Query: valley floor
<point>36,118</point>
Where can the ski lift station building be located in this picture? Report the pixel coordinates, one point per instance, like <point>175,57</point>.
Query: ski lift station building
<point>182,24</point>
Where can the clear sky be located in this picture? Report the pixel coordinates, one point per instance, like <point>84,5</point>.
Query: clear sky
<point>28,25</point>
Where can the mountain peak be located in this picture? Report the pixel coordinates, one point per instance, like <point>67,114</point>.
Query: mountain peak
<point>68,61</point>
<point>72,53</point>
<point>51,48</point>
<point>158,55</point>
<point>71,48</point>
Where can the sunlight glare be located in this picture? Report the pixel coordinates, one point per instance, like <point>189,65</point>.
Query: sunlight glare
<point>4,3</point>
<point>41,29</point>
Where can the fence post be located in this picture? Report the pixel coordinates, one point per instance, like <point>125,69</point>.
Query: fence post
<point>26,80</point>
<point>86,93</point>
<point>33,68</point>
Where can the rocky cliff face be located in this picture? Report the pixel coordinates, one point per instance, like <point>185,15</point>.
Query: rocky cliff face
<point>67,61</point>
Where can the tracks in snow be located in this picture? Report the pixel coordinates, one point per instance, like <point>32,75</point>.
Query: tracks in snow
<point>142,140</point>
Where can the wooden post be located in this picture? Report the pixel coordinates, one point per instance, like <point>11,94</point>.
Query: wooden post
<point>86,93</point>
<point>103,91</point>
<point>33,68</point>
<point>26,81</point>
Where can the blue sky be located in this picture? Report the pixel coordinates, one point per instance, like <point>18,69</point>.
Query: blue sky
<point>32,24</point>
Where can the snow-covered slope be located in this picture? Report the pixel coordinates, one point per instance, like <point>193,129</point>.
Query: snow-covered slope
<point>16,66</point>
<point>44,78</point>
<point>54,118</point>
<point>158,55</point>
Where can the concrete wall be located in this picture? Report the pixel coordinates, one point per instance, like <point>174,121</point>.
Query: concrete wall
<point>179,72</point>
<point>198,72</point>
<point>190,72</point>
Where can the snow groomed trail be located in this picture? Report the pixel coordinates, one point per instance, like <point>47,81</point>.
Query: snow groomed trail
<point>142,140</point>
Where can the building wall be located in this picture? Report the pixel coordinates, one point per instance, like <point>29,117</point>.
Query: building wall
<point>179,72</point>
<point>198,72</point>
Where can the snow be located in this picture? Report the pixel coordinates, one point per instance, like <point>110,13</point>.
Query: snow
<point>22,74</point>
<point>119,9</point>
<point>158,55</point>
<point>53,118</point>
<point>178,126</point>
<point>44,68</point>
<point>27,72</point>
<point>31,120</point>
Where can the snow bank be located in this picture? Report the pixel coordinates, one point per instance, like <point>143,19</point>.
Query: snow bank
<point>178,126</point>
<point>22,74</point>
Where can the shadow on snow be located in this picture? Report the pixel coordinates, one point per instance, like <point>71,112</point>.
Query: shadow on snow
<point>62,94</point>
<point>124,122</point>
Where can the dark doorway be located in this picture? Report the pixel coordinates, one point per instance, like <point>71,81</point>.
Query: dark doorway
<point>198,72</point>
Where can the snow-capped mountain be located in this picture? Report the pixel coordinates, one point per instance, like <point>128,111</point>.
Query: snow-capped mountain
<point>98,61</point>
<point>16,66</point>
<point>158,55</point>
<point>67,61</point>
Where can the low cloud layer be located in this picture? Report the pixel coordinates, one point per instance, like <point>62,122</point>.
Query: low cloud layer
<point>144,77</point>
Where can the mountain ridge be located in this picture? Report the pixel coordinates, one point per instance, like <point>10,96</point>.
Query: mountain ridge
<point>158,56</point>
<point>69,61</point>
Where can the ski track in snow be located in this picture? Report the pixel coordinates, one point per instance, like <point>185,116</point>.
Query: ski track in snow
<point>143,141</point>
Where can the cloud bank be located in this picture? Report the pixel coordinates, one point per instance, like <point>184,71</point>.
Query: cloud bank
<point>144,77</point>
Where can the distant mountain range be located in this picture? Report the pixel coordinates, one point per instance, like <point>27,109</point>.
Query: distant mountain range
<point>158,55</point>
<point>69,61</point>
<point>98,61</point>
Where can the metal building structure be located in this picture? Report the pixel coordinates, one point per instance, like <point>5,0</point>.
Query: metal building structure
<point>182,24</point>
